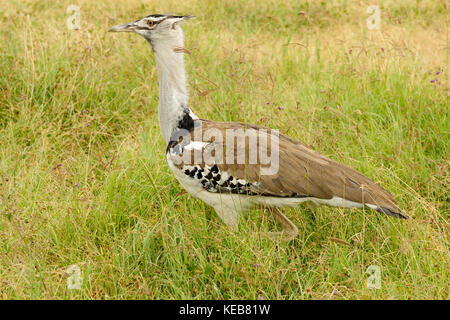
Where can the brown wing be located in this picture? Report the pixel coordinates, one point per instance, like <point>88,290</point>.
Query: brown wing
<point>301,172</point>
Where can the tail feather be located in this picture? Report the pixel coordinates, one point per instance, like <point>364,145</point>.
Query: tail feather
<point>390,212</point>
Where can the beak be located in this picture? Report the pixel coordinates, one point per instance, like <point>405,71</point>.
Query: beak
<point>128,27</point>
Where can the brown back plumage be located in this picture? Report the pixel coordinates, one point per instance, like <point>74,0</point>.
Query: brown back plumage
<point>302,171</point>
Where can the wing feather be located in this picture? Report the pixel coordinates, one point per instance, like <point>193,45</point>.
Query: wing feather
<point>302,172</point>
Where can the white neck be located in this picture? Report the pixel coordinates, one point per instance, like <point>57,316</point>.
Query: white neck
<point>173,95</point>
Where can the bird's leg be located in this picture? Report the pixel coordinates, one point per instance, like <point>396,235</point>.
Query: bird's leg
<point>311,205</point>
<point>229,216</point>
<point>290,230</point>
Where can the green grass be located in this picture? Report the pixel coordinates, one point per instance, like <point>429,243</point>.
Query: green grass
<point>83,175</point>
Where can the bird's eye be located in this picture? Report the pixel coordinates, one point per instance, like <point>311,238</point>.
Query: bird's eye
<point>150,23</point>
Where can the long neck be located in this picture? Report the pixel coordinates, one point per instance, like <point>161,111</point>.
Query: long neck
<point>173,94</point>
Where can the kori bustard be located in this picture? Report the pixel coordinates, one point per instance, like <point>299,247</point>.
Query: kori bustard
<point>234,166</point>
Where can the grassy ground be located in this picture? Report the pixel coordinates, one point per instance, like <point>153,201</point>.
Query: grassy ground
<point>83,176</point>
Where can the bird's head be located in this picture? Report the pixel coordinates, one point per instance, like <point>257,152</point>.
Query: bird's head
<point>154,27</point>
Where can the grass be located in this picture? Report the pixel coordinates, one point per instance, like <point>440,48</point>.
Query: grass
<point>83,176</point>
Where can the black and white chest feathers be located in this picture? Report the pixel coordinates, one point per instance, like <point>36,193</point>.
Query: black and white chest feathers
<point>180,155</point>
<point>211,179</point>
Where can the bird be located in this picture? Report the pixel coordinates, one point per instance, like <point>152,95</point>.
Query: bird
<point>236,166</point>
